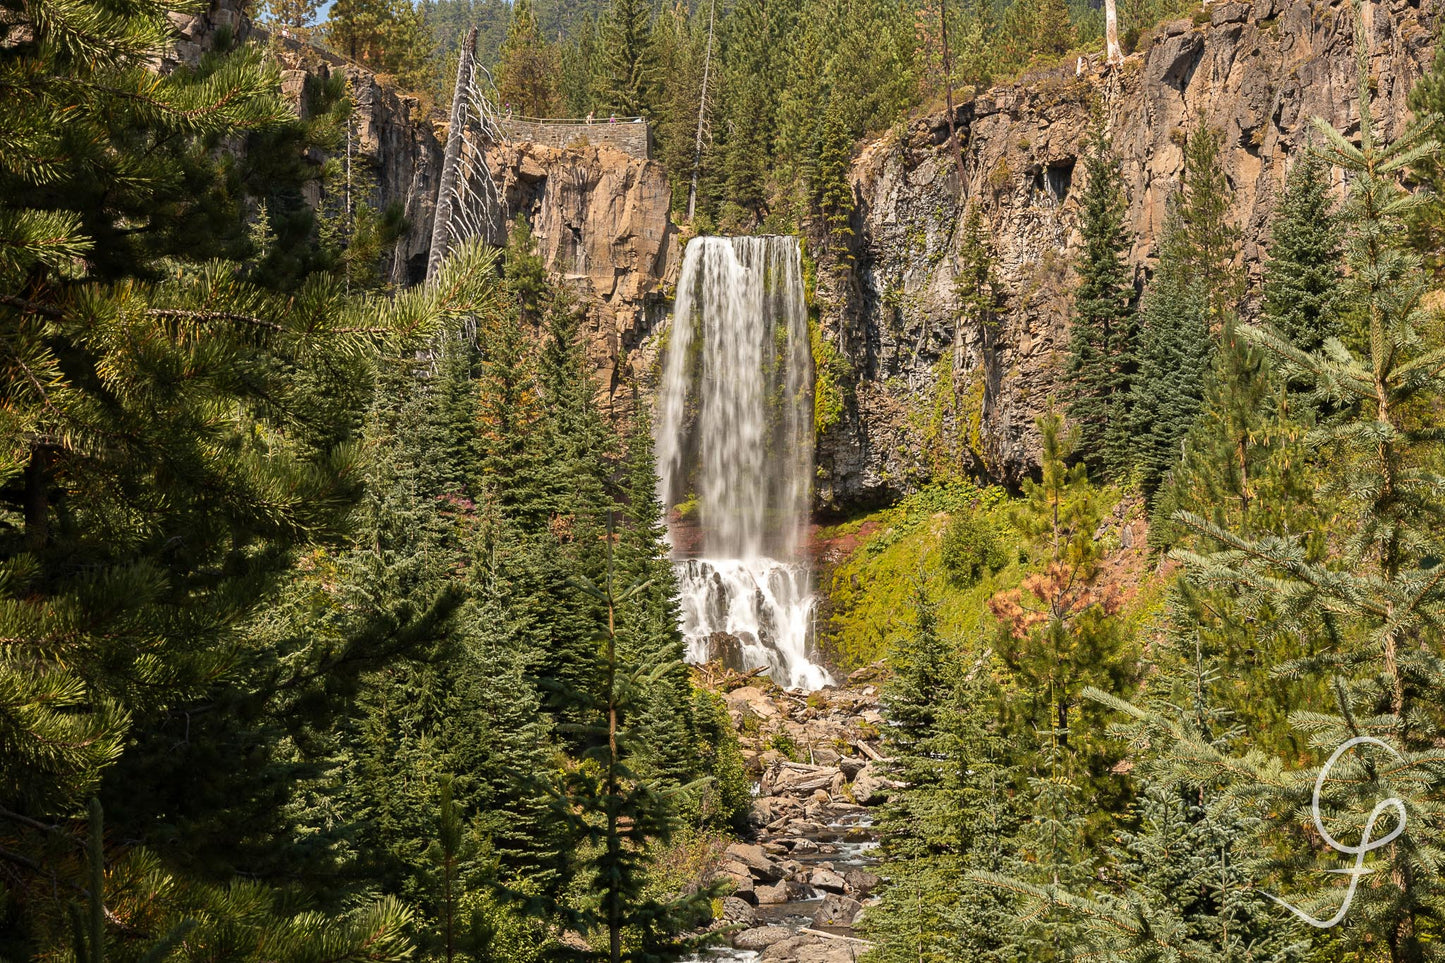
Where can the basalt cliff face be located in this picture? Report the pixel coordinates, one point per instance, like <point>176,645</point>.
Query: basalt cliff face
<point>919,393</point>
<point>923,392</point>
<point>601,221</point>
<point>599,214</point>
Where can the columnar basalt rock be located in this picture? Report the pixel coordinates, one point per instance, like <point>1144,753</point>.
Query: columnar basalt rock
<point>921,381</point>
<point>600,219</point>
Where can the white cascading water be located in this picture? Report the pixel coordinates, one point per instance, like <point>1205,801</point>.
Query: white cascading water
<point>735,442</point>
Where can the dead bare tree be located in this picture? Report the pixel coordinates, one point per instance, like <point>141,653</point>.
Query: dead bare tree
<point>1111,33</point>
<point>701,115</point>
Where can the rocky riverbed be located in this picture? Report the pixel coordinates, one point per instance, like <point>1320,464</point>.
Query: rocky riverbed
<point>806,878</point>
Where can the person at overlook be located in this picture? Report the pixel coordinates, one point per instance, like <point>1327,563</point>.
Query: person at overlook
<point>590,115</point>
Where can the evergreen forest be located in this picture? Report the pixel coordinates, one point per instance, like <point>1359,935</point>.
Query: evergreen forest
<point>340,620</point>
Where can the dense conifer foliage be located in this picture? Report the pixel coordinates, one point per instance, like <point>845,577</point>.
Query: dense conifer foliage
<point>339,623</point>
<point>791,84</point>
<point>1292,476</point>
<point>300,655</point>
<point>1103,339</point>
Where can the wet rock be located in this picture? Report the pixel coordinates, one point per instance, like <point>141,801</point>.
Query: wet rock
<point>836,911</point>
<point>827,880</point>
<point>726,648</point>
<point>802,846</point>
<point>761,938</point>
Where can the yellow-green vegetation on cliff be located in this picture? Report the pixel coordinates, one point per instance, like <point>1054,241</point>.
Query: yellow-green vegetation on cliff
<point>899,549</point>
<point>956,542</point>
<point>830,373</point>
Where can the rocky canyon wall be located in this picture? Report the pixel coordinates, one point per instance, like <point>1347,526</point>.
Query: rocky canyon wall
<point>924,393</point>
<point>599,214</point>
<point>601,221</point>
<point>920,394</point>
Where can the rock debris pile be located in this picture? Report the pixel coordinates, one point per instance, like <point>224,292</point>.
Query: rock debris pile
<point>803,883</point>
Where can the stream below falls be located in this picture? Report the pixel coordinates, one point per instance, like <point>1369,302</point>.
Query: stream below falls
<point>806,874</point>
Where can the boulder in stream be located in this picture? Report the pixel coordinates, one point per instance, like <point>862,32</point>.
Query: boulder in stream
<point>870,786</point>
<point>761,938</point>
<point>837,911</point>
<point>860,882</point>
<point>759,864</point>
<point>737,911</point>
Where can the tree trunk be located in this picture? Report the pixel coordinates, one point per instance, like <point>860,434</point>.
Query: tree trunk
<point>451,160</point>
<point>701,116</point>
<point>948,92</point>
<point>1111,33</point>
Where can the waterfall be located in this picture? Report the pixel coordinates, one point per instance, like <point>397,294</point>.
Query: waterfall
<point>735,452</point>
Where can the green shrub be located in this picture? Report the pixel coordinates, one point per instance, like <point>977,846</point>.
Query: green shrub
<point>971,547</point>
<point>783,743</point>
<point>727,797</point>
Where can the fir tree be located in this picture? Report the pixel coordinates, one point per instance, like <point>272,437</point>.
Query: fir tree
<point>1103,338</point>
<point>527,66</point>
<point>614,808</point>
<point>648,624</point>
<point>626,79</point>
<point>951,814</point>
<point>1372,602</point>
<point>1302,278</point>
<point>1189,299</point>
<point>979,291</point>
<point>834,192</point>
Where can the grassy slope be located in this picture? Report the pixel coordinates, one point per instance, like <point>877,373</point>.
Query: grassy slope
<point>879,560</point>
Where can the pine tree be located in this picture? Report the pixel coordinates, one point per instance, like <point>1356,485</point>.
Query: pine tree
<point>292,14</point>
<point>115,450</point>
<point>1244,462</point>
<point>1206,241</point>
<point>1302,278</point>
<point>1103,338</point>
<point>579,57</point>
<point>1057,633</point>
<point>527,66</point>
<point>1190,298</point>
<point>1050,30</point>
<point>358,28</point>
<point>753,34</point>
<point>626,80</point>
<point>1426,221</point>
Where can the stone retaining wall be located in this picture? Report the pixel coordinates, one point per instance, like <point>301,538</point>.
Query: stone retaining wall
<point>628,136</point>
